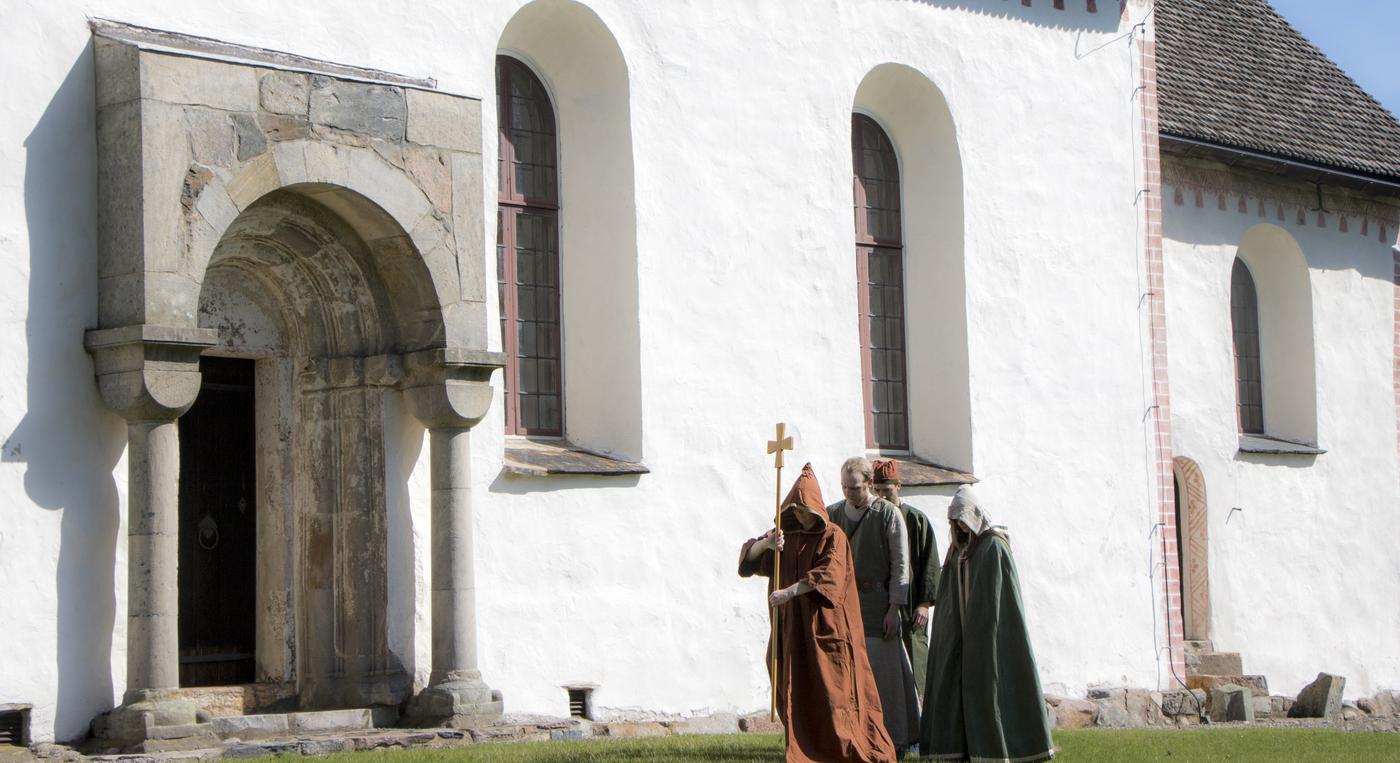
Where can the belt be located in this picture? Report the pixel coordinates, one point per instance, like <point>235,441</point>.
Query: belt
<point>870,585</point>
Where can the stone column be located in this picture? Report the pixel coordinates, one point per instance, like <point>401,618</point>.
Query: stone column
<point>449,392</point>
<point>150,375</point>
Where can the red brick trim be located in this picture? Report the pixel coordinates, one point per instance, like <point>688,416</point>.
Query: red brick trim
<point>1173,634</point>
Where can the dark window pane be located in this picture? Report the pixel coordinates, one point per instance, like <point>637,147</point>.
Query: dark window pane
<point>1244,317</point>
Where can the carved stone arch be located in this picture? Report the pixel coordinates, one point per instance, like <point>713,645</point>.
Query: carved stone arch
<point>1193,531</point>
<point>334,212</point>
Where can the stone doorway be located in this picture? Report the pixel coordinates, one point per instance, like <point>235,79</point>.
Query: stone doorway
<point>1192,548</point>
<point>324,223</point>
<point>218,528</point>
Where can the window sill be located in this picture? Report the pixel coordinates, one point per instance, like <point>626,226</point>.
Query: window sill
<point>535,458</point>
<point>915,472</point>
<point>1256,443</point>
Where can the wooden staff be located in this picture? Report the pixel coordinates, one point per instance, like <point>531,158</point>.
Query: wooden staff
<point>776,447</point>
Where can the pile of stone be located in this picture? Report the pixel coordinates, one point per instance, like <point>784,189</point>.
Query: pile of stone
<point>1217,699</point>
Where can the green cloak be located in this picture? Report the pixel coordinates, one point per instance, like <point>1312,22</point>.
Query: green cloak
<point>982,700</point>
<point>923,585</point>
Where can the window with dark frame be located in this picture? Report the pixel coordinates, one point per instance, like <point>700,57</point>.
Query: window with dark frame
<point>880,274</point>
<point>527,252</point>
<point>1244,323</point>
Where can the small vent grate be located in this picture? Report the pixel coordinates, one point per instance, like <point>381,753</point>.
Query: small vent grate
<point>14,728</point>
<point>581,703</point>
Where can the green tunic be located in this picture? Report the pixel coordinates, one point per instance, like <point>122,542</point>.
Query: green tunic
<point>983,699</point>
<point>923,586</point>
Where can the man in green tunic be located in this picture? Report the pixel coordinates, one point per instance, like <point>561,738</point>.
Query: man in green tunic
<point>880,550</point>
<point>923,570</point>
<point>982,700</point>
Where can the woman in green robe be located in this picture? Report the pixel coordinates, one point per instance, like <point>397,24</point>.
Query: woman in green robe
<point>982,699</point>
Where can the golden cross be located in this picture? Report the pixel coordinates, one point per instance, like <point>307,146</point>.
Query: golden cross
<point>777,446</point>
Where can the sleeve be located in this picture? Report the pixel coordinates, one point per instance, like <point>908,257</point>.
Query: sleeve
<point>763,565</point>
<point>830,569</point>
<point>897,541</point>
<point>935,570</point>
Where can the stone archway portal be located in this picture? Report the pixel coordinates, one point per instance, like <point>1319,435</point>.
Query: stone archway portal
<point>340,203</point>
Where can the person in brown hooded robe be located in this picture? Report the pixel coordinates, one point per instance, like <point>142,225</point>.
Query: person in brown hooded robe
<point>826,693</point>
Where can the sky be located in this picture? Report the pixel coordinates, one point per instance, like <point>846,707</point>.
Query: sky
<point>1359,35</point>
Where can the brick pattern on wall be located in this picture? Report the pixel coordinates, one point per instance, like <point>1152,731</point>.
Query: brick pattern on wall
<point>1173,632</point>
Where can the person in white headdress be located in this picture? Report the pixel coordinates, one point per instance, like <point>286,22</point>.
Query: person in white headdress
<point>982,698</point>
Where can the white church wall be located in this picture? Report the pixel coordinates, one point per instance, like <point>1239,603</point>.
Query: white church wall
<point>1302,563</point>
<point>745,310</point>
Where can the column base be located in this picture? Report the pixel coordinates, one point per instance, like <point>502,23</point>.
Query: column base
<point>155,720</point>
<point>462,700</point>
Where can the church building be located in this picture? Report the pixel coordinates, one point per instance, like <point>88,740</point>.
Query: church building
<point>421,359</point>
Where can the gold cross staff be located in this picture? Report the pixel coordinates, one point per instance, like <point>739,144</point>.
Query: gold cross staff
<point>776,447</point>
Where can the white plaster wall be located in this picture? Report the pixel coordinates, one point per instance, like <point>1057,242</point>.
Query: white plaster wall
<point>1305,577</point>
<point>740,118</point>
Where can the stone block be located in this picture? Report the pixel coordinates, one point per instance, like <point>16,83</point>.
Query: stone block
<point>118,69</point>
<point>1350,712</point>
<point>1214,663</point>
<point>432,172</point>
<point>387,186</point>
<point>376,111</point>
<point>759,723</point>
<point>1126,708</point>
<point>571,734</point>
<point>1073,713</point>
<point>199,82</point>
<point>1382,704</point>
<point>326,163</point>
<point>211,136</point>
<point>330,720</point>
<point>285,93</point>
<point>245,727</point>
<point>1229,702</point>
<point>1320,699</point>
<point>257,179</point>
<point>251,140</point>
<point>1263,707</point>
<point>1184,702</point>
<point>445,121</point>
<point>278,128</point>
<point>1257,685</point>
<point>468,226</point>
<point>635,729</point>
<point>1279,705</point>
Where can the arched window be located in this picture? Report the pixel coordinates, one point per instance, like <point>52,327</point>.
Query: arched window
<point>1244,322</point>
<point>527,251</point>
<point>880,273</point>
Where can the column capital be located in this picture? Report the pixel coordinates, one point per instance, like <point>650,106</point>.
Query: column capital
<point>450,387</point>
<point>147,372</point>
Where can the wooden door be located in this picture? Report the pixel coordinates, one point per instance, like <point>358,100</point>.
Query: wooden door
<point>218,529</point>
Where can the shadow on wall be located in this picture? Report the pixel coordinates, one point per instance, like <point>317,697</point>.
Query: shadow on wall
<point>1074,15</point>
<point>68,439</point>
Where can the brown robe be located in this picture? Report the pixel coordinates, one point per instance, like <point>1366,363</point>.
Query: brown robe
<point>827,697</point>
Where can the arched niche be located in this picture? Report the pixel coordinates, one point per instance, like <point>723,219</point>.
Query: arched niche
<point>323,291</point>
<point>915,115</point>
<point>1286,353</point>
<point>572,51</point>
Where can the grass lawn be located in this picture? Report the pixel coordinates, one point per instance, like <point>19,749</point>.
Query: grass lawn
<point>1100,745</point>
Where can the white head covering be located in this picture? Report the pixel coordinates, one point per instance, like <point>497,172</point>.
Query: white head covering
<point>967,511</point>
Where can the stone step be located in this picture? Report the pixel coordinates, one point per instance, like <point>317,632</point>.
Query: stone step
<point>1214,664</point>
<point>1193,647</point>
<point>275,725</point>
<point>1258,686</point>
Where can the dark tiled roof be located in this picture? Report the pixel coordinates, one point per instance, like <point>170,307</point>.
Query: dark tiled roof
<point>1235,73</point>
